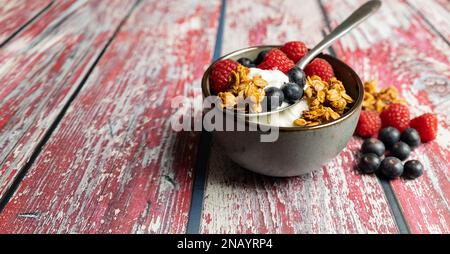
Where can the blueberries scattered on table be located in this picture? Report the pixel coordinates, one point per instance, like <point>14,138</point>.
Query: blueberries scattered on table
<point>369,163</point>
<point>273,94</point>
<point>411,137</point>
<point>373,145</point>
<point>412,169</point>
<point>246,62</point>
<point>400,150</point>
<point>391,167</point>
<point>389,136</point>
<point>297,75</point>
<point>292,92</point>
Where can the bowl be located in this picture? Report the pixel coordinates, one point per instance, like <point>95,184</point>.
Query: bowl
<point>298,150</point>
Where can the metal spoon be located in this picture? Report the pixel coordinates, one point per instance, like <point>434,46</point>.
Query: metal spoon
<point>358,16</point>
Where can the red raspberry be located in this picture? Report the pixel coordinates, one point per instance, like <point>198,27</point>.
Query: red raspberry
<point>276,60</point>
<point>220,75</point>
<point>321,68</point>
<point>295,50</point>
<point>369,124</point>
<point>426,125</point>
<point>396,115</point>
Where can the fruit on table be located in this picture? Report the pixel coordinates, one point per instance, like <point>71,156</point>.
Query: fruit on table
<point>246,62</point>
<point>412,169</point>
<point>320,67</point>
<point>400,150</point>
<point>396,115</point>
<point>391,167</point>
<point>295,50</point>
<point>296,75</point>
<point>275,59</point>
<point>411,137</point>
<point>369,124</point>
<point>220,75</point>
<point>373,145</point>
<point>426,125</point>
<point>369,163</point>
<point>292,92</point>
<point>389,136</point>
<point>273,95</point>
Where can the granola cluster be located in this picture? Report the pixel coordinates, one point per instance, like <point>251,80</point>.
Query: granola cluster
<point>327,101</point>
<point>244,91</point>
<point>379,101</point>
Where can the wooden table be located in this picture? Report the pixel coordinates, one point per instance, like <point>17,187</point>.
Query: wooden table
<point>85,103</point>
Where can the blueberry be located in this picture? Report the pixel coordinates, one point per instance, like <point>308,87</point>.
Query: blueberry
<point>261,56</point>
<point>369,163</point>
<point>273,94</point>
<point>391,167</point>
<point>411,137</point>
<point>373,145</point>
<point>412,169</point>
<point>245,61</point>
<point>292,92</point>
<point>297,75</point>
<point>400,150</point>
<point>389,136</point>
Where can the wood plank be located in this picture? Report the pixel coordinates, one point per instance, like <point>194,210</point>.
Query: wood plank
<point>42,67</point>
<point>114,165</point>
<point>398,48</point>
<point>334,199</point>
<point>438,14</point>
<point>15,14</point>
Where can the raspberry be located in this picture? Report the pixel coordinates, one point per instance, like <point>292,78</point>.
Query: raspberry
<point>276,60</point>
<point>369,124</point>
<point>321,68</point>
<point>220,75</point>
<point>426,125</point>
<point>397,116</point>
<point>295,50</point>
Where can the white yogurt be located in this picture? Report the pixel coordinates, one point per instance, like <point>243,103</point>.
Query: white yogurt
<point>286,118</point>
<point>274,78</point>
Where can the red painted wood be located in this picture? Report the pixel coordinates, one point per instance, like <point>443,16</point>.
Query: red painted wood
<point>438,14</point>
<point>15,14</point>
<point>334,199</point>
<point>399,48</point>
<point>41,68</point>
<point>114,164</point>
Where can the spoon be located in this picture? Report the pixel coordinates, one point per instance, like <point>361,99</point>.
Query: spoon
<point>358,16</point>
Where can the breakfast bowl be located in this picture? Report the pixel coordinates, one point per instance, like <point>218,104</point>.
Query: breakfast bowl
<point>297,150</point>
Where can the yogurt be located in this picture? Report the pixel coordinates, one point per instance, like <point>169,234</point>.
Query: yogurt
<point>274,78</point>
<point>285,118</point>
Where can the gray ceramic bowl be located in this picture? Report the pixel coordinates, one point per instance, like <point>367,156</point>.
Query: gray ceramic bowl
<point>298,150</point>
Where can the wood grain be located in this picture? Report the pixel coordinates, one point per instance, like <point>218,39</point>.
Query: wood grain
<point>399,48</point>
<point>15,14</point>
<point>334,199</point>
<point>42,67</point>
<point>438,14</point>
<point>114,165</point>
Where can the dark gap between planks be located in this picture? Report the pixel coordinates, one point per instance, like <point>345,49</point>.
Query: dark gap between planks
<point>394,206</point>
<point>22,172</point>
<point>29,22</point>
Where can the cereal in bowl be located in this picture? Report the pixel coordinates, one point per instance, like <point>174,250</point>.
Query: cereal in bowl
<point>327,101</point>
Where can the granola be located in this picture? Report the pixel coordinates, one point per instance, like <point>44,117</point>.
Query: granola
<point>379,101</point>
<point>244,90</point>
<point>327,101</point>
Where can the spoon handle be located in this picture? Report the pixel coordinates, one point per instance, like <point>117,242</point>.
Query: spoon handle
<point>351,22</point>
